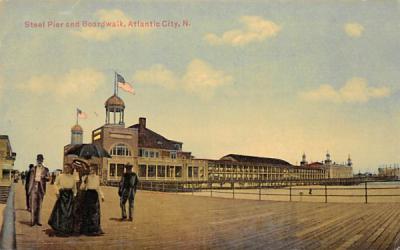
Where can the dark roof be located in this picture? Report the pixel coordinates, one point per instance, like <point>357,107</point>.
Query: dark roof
<point>255,159</point>
<point>314,164</point>
<point>3,136</point>
<point>150,139</point>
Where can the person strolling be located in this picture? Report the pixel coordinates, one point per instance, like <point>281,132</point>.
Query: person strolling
<point>127,191</point>
<point>61,219</point>
<point>91,204</point>
<point>27,178</point>
<point>39,175</point>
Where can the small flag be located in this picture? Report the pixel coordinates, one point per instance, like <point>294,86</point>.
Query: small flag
<point>122,84</point>
<point>120,78</point>
<point>81,114</point>
<point>126,87</point>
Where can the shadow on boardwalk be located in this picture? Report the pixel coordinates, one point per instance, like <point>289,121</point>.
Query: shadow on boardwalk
<point>171,221</point>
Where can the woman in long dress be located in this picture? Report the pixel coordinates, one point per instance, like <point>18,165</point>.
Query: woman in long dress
<point>61,218</point>
<point>91,204</point>
<point>80,167</point>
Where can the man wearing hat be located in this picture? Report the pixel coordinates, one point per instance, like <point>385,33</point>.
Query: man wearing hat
<point>39,175</point>
<point>127,190</point>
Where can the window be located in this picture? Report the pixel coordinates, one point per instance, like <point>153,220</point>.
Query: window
<point>120,169</point>
<point>146,153</point>
<point>141,152</point>
<point>190,172</point>
<point>161,171</point>
<point>142,170</point>
<point>195,172</point>
<point>173,155</point>
<point>178,171</point>
<point>170,171</point>
<point>111,171</point>
<point>152,171</point>
<point>157,155</point>
<point>121,150</point>
<point>177,147</point>
<point>152,154</point>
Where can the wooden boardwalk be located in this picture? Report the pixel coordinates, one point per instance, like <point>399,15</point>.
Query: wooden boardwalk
<point>170,221</point>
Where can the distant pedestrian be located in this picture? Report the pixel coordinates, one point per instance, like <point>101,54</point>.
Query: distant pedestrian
<point>310,191</point>
<point>127,191</point>
<point>23,178</point>
<point>39,175</point>
<point>91,204</point>
<point>27,177</point>
<point>53,178</point>
<point>61,218</point>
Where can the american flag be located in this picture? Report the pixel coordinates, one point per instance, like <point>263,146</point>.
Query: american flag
<point>122,84</point>
<point>81,114</point>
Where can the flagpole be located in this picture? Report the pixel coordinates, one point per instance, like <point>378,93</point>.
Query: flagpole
<point>115,83</point>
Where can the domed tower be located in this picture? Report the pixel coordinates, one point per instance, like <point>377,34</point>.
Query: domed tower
<point>328,158</point>
<point>349,162</point>
<point>115,107</point>
<point>303,160</point>
<point>76,134</point>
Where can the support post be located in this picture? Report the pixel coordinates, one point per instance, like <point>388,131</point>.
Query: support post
<point>366,193</point>
<point>326,194</point>
<point>290,192</point>
<point>233,190</point>
<point>259,191</point>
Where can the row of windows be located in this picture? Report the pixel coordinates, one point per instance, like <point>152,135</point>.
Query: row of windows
<point>160,171</point>
<point>116,170</point>
<point>120,150</point>
<point>193,172</point>
<point>148,153</point>
<point>154,154</point>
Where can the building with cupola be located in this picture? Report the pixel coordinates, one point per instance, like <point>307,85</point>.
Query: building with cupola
<point>332,170</point>
<point>158,159</point>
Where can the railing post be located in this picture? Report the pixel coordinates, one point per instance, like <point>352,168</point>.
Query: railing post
<point>366,193</point>
<point>211,189</point>
<point>233,190</point>
<point>163,186</point>
<point>177,186</point>
<point>192,189</point>
<point>290,192</point>
<point>326,194</point>
<point>151,185</point>
<point>259,191</point>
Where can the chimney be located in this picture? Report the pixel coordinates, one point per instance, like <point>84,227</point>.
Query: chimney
<point>142,122</point>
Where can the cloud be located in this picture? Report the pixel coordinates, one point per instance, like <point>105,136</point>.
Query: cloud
<point>354,29</point>
<point>98,33</point>
<point>200,78</point>
<point>255,29</point>
<point>75,83</point>
<point>356,90</point>
<point>157,74</point>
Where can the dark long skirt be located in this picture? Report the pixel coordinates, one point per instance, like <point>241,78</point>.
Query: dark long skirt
<point>78,211</point>
<point>91,213</point>
<point>61,218</point>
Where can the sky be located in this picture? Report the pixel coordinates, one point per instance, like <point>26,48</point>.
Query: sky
<point>263,78</point>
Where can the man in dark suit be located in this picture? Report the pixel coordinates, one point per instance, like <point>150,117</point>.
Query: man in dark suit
<point>39,175</point>
<point>127,190</point>
<point>27,180</point>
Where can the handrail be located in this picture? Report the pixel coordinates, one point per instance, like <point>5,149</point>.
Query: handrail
<point>8,237</point>
<point>288,188</point>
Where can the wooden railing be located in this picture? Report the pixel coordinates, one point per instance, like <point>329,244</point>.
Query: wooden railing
<point>292,190</point>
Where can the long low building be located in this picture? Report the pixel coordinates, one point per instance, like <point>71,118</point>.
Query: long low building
<point>156,158</point>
